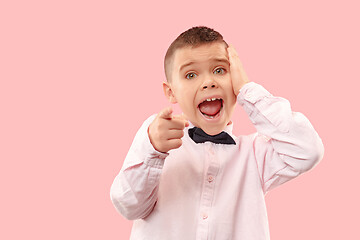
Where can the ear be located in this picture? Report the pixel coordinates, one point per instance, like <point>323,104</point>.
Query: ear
<point>169,93</point>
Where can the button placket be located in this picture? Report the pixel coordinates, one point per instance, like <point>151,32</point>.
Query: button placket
<point>208,189</point>
<point>212,152</point>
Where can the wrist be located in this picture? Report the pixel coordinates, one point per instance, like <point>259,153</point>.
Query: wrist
<point>238,88</point>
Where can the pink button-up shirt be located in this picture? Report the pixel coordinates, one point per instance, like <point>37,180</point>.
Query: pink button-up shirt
<point>215,191</point>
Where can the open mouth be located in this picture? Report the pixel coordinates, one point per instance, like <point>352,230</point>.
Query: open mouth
<point>210,108</point>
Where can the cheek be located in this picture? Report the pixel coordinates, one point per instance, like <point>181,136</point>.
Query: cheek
<point>231,103</point>
<point>228,85</point>
<point>189,101</point>
<point>230,93</point>
<point>228,82</point>
<point>185,96</point>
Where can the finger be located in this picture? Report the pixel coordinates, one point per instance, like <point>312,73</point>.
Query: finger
<point>174,143</point>
<point>232,51</point>
<point>166,113</point>
<point>233,56</point>
<point>178,123</point>
<point>182,117</point>
<point>237,73</point>
<point>235,66</point>
<point>175,134</point>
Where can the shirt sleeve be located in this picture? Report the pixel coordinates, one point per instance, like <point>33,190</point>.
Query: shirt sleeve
<point>134,190</point>
<point>286,144</point>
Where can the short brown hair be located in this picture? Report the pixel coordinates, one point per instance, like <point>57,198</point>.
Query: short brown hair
<point>193,37</point>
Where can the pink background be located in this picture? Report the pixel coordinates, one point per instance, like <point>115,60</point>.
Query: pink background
<point>79,77</point>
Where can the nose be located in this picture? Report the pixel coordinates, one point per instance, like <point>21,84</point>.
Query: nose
<point>210,83</point>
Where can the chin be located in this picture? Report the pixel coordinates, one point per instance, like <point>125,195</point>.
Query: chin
<point>213,130</point>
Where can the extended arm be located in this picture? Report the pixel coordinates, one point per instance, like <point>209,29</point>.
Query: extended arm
<point>134,190</point>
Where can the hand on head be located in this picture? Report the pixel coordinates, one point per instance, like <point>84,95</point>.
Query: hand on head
<point>166,131</point>
<point>237,72</point>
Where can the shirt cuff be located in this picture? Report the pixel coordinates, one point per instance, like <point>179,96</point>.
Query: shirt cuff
<point>260,105</point>
<point>252,92</point>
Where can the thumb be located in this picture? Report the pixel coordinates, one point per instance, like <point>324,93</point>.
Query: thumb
<point>166,113</point>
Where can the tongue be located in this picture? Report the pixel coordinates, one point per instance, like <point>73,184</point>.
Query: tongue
<point>210,108</point>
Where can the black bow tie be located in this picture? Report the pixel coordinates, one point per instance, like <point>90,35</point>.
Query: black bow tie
<point>199,136</point>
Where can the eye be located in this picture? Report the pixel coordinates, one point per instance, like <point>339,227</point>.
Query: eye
<point>222,71</point>
<point>190,75</point>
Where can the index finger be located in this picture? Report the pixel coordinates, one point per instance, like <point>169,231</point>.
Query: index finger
<point>166,113</point>
<point>178,123</point>
<point>231,49</point>
<point>183,118</point>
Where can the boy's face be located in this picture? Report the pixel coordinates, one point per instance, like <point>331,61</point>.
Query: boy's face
<point>202,86</point>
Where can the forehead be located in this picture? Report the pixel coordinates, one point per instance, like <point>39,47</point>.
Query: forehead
<point>200,55</point>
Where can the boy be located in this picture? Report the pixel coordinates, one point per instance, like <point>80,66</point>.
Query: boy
<point>188,177</point>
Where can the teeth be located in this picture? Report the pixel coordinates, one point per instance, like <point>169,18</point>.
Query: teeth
<point>212,99</point>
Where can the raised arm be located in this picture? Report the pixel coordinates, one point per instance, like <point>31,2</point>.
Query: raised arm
<point>286,144</point>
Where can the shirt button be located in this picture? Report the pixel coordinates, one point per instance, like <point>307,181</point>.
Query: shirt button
<point>205,216</point>
<point>210,178</point>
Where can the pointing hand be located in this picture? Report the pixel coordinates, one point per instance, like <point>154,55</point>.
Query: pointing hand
<point>166,131</point>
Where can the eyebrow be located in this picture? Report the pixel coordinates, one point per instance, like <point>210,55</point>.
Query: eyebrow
<point>212,59</point>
